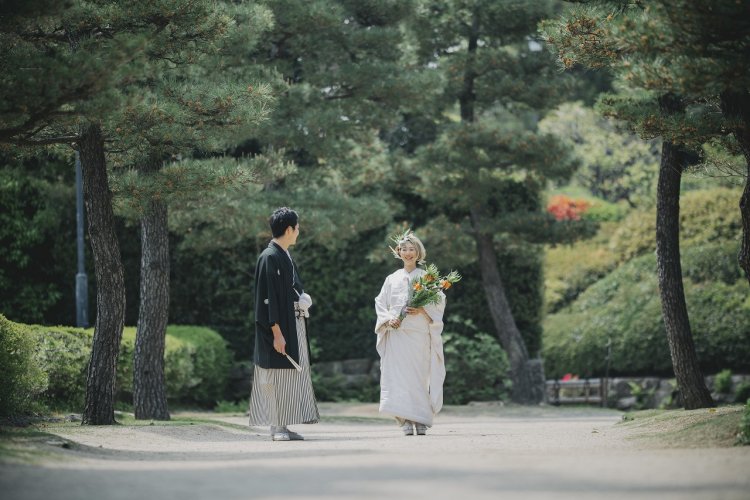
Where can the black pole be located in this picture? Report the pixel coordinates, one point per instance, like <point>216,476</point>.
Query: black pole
<point>82,291</point>
<point>605,385</point>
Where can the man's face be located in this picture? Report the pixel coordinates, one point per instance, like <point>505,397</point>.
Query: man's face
<point>293,233</point>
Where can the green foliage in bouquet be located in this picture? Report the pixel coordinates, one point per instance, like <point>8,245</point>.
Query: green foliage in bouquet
<point>426,289</point>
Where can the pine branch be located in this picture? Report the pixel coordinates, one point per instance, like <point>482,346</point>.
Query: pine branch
<point>62,139</point>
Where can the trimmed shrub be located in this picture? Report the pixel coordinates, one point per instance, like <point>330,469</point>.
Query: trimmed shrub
<point>178,366</point>
<point>211,360</point>
<point>625,307</point>
<point>22,379</point>
<point>706,216</point>
<point>743,393</point>
<point>54,361</point>
<point>723,382</point>
<point>571,269</point>
<point>477,369</point>
<point>63,354</point>
<point>196,365</point>
<point>604,211</point>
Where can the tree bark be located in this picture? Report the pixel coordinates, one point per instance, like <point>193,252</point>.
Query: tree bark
<point>736,106</point>
<point>110,289</point>
<point>674,309</point>
<point>149,389</point>
<point>468,97</point>
<point>527,375</point>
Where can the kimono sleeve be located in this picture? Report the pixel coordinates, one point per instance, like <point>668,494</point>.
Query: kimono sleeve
<point>435,311</point>
<point>268,292</point>
<point>382,303</point>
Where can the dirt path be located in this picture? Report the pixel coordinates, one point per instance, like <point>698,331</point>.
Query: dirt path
<point>472,453</point>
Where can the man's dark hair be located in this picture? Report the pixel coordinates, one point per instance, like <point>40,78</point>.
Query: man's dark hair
<point>281,219</point>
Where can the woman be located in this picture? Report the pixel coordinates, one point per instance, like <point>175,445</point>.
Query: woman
<point>412,369</point>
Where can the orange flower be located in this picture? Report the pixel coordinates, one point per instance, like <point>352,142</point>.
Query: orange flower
<point>429,278</point>
<point>445,284</point>
<point>417,286</point>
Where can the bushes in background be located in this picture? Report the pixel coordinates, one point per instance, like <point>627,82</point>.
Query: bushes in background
<point>706,216</point>
<point>22,379</point>
<point>570,269</point>
<point>196,365</point>
<point>477,369</point>
<point>47,366</point>
<point>625,307</point>
<point>63,354</point>
<point>210,359</point>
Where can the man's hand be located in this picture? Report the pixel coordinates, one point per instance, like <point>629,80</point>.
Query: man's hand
<point>279,344</point>
<point>394,323</point>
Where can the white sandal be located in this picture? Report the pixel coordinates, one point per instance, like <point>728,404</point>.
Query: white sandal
<point>408,428</point>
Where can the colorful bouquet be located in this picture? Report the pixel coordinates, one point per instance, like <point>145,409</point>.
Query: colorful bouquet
<point>426,289</point>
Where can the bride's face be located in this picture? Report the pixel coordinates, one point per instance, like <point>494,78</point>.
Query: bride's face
<point>408,253</point>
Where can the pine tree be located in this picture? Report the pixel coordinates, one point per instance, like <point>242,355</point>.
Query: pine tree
<point>485,169</point>
<point>343,67</point>
<point>681,67</point>
<point>186,102</point>
<point>79,73</point>
<point>691,49</point>
<point>54,87</point>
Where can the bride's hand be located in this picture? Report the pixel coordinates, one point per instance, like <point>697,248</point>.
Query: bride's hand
<point>414,310</point>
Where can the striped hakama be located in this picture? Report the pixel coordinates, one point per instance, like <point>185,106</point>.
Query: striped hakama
<point>282,396</point>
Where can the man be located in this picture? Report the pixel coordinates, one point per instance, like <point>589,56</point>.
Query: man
<point>282,392</point>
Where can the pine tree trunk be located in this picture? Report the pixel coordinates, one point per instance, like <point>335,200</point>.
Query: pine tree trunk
<point>674,309</point>
<point>744,255</point>
<point>527,375</point>
<point>110,281</point>
<point>736,106</point>
<point>149,390</point>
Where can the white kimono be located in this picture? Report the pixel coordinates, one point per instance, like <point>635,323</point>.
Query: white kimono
<point>412,368</point>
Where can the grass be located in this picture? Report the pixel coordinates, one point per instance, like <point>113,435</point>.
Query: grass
<point>37,443</point>
<point>703,428</point>
<point>30,445</point>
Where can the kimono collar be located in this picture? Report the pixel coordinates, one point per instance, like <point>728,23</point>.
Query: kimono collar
<point>410,274</point>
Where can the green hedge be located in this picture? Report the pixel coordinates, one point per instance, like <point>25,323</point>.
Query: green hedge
<point>706,216</point>
<point>571,269</point>
<point>22,379</point>
<point>625,307</point>
<point>47,366</point>
<point>63,354</point>
<point>196,365</point>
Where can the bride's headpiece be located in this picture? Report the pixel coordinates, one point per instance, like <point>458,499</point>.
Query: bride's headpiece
<point>408,236</point>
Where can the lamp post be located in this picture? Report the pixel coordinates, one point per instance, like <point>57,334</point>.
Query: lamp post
<point>82,291</point>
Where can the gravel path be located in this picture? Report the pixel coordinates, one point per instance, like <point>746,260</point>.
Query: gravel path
<point>477,452</point>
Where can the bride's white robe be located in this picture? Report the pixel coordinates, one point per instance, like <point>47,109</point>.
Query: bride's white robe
<point>412,368</point>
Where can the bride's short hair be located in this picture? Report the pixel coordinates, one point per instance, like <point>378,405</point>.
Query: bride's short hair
<point>410,238</point>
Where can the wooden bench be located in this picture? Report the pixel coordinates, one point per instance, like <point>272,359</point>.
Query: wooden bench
<point>585,391</point>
